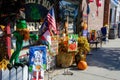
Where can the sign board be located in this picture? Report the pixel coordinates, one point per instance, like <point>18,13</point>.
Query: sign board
<point>72,42</point>
<point>54,45</point>
<point>36,10</point>
<point>68,9</point>
<point>70,28</point>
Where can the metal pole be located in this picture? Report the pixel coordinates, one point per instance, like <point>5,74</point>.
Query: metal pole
<point>0,74</point>
<point>9,74</point>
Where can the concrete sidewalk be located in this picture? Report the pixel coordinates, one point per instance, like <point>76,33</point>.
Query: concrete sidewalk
<point>103,64</point>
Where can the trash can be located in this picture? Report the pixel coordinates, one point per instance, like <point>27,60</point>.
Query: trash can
<point>112,33</point>
<point>118,30</point>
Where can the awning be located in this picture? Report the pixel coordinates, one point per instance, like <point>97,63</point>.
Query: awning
<point>115,2</point>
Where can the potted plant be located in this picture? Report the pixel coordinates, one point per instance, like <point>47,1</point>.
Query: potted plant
<point>83,49</point>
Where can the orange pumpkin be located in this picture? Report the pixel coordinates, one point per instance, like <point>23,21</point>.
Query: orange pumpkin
<point>82,65</point>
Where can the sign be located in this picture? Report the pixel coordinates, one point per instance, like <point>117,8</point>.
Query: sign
<point>37,61</point>
<point>70,28</point>
<point>54,45</point>
<point>45,3</point>
<point>72,42</point>
<point>33,26</point>
<point>69,10</point>
<point>36,10</point>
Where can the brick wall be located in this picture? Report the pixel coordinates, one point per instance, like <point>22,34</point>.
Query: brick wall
<point>94,22</point>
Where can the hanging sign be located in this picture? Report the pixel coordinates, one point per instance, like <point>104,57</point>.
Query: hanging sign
<point>69,10</point>
<point>72,42</point>
<point>37,61</point>
<point>36,10</point>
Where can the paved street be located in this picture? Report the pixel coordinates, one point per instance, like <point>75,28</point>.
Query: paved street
<point>103,64</point>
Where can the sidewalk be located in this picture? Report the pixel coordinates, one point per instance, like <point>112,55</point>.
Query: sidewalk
<point>103,64</point>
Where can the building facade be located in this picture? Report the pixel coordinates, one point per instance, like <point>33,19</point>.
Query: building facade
<point>114,12</point>
<point>95,16</point>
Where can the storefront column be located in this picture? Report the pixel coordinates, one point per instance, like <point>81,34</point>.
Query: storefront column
<point>106,12</point>
<point>113,16</point>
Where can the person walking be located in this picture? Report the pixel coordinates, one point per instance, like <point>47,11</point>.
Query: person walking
<point>104,33</point>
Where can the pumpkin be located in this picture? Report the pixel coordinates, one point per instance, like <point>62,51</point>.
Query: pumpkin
<point>82,65</point>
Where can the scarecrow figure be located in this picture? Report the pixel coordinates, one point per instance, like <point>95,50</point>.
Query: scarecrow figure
<point>21,34</point>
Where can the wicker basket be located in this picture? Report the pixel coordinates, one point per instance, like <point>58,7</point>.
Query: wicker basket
<point>64,59</point>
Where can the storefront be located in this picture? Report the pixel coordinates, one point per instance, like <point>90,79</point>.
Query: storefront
<point>114,12</point>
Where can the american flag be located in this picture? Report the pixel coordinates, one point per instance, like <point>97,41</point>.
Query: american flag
<point>48,26</point>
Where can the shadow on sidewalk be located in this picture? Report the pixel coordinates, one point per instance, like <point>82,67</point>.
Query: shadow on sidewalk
<point>108,58</point>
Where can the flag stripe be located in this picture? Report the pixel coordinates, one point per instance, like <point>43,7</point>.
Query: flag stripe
<point>51,21</point>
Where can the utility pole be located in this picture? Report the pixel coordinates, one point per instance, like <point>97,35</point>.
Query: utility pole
<point>106,12</point>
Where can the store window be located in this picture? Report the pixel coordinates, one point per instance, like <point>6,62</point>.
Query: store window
<point>110,15</point>
<point>119,16</point>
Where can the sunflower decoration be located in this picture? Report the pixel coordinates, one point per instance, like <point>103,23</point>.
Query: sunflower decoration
<point>83,49</point>
<point>83,45</point>
<point>63,44</point>
<point>3,64</point>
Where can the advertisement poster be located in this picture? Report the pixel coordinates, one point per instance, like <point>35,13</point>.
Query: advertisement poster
<point>54,45</point>
<point>72,42</point>
<point>37,61</point>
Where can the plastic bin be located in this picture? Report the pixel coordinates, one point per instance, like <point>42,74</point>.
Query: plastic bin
<point>112,33</point>
<point>118,30</point>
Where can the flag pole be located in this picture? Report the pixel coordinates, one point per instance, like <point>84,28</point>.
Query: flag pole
<point>66,71</point>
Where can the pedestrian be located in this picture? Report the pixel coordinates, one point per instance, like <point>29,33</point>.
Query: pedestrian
<point>85,29</point>
<point>104,33</point>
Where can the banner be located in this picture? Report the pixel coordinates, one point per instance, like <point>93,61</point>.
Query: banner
<point>72,42</point>
<point>37,61</point>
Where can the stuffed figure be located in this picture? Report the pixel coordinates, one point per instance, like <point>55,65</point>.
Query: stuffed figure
<point>21,34</point>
